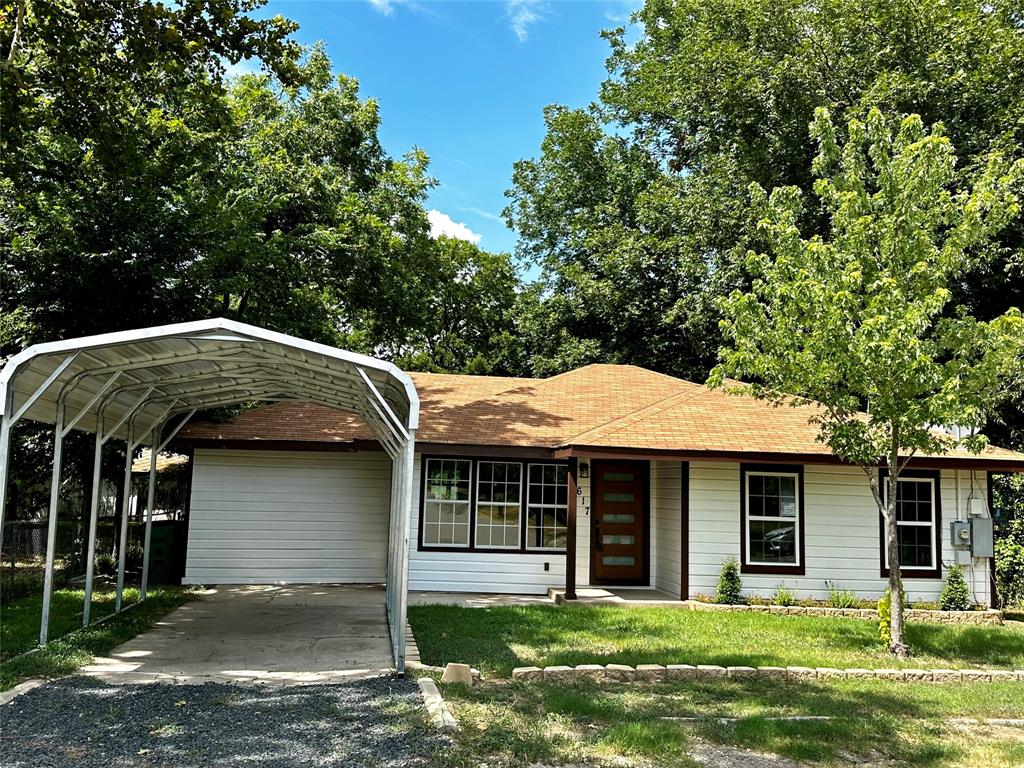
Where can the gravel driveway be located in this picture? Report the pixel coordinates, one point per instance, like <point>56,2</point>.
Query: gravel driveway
<point>85,723</point>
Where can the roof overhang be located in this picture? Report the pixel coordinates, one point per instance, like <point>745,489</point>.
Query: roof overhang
<point>133,380</point>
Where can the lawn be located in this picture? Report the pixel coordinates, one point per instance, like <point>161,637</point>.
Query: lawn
<point>907,724</point>
<point>497,639</point>
<point>74,646</point>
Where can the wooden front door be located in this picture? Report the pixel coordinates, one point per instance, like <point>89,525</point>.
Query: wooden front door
<point>618,549</point>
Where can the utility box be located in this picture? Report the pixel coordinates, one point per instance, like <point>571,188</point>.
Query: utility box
<point>960,535</point>
<point>981,537</point>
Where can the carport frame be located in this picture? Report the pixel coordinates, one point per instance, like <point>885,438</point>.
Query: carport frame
<point>256,365</point>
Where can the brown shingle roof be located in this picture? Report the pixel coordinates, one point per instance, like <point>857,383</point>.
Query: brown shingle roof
<point>598,406</point>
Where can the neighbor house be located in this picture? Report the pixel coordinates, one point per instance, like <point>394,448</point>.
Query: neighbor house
<point>608,475</point>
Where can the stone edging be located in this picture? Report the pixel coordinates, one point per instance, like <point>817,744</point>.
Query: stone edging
<point>440,716</point>
<point>988,616</point>
<point>657,672</point>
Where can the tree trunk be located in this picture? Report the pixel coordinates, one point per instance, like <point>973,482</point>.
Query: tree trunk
<point>897,644</point>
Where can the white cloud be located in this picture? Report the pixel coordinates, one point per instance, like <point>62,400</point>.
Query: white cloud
<point>243,67</point>
<point>383,6</point>
<point>442,224</point>
<point>522,13</point>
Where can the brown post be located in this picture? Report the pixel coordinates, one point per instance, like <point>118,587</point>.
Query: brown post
<point>570,534</point>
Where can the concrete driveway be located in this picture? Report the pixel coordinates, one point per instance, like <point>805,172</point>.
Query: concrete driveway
<point>269,634</point>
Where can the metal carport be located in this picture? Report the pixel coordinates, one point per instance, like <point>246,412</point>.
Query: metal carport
<point>142,385</point>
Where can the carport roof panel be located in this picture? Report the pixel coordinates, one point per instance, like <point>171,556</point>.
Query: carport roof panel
<point>198,364</point>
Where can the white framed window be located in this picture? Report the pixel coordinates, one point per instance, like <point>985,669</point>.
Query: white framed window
<point>916,518</point>
<point>771,528</point>
<point>499,486</point>
<point>446,502</point>
<point>547,507</point>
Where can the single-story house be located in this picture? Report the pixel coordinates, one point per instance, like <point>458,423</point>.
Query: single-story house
<point>609,475</point>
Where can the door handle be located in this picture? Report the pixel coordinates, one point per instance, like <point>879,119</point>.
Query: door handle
<point>597,537</point>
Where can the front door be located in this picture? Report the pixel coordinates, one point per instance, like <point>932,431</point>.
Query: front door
<point>618,549</point>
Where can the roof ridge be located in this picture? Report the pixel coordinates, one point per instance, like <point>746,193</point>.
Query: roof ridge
<point>607,424</point>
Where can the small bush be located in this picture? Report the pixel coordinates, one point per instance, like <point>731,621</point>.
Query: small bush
<point>955,594</point>
<point>106,564</point>
<point>840,598</point>
<point>784,596</point>
<point>885,612</point>
<point>730,586</point>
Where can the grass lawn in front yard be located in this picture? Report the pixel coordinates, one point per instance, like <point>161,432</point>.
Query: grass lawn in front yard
<point>73,645</point>
<point>497,639</point>
<point>907,724</point>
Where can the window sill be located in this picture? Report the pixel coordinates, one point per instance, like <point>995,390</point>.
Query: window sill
<point>787,570</point>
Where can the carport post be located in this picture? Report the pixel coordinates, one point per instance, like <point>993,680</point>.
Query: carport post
<point>5,456</point>
<point>150,498</point>
<point>51,531</point>
<point>129,449</point>
<point>94,511</point>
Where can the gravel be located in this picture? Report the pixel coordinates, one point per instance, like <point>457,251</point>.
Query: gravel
<point>79,721</point>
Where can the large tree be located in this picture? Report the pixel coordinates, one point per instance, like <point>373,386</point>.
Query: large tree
<point>639,202</point>
<point>862,322</point>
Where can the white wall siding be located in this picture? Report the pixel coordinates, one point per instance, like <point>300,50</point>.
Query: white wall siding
<point>666,521</point>
<point>497,572</point>
<point>288,517</point>
<point>841,530</point>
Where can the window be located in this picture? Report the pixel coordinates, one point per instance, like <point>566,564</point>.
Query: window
<point>771,514</point>
<point>446,503</point>
<point>547,506</point>
<point>917,523</point>
<point>498,488</point>
<point>493,504</point>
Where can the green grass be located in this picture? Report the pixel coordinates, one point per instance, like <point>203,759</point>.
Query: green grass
<point>495,640</point>
<point>19,624</point>
<point>510,724</point>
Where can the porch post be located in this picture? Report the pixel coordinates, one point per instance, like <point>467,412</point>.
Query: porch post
<point>51,530</point>
<point>570,532</point>
<point>5,461</point>
<point>94,511</point>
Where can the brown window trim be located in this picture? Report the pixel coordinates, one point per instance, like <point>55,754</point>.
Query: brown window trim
<point>525,461</point>
<point>788,469</point>
<point>916,573</point>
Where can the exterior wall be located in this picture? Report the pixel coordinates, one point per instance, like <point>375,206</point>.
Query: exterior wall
<point>498,572</point>
<point>666,525</point>
<point>288,517</point>
<point>840,526</point>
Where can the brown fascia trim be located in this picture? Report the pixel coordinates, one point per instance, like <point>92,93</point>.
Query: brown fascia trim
<point>940,462</point>
<point>182,445</point>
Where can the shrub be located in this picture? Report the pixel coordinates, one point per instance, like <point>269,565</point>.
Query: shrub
<point>955,594</point>
<point>783,595</point>
<point>885,612</point>
<point>730,586</point>
<point>106,564</point>
<point>1010,564</point>
<point>840,598</point>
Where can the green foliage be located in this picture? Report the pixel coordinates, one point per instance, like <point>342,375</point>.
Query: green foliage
<point>106,564</point>
<point>636,208</point>
<point>841,598</point>
<point>730,586</point>
<point>885,612</point>
<point>1009,552</point>
<point>783,596</point>
<point>955,594</point>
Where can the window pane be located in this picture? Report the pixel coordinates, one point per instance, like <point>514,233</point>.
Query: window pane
<point>772,542</point>
<point>615,560</point>
<point>618,477</point>
<point>915,545</point>
<point>616,539</point>
<point>618,518</point>
<point>619,497</point>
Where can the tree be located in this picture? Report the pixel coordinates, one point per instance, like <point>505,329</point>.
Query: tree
<point>704,97</point>
<point>860,320</point>
<point>468,321</point>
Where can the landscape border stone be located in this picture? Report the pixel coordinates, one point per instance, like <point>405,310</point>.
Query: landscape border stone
<point>984,617</point>
<point>656,672</point>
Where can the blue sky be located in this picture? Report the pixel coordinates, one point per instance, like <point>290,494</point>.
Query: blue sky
<point>467,82</point>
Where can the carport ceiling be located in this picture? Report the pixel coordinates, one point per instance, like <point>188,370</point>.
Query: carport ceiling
<point>148,375</point>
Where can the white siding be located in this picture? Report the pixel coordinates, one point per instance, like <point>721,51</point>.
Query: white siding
<point>666,521</point>
<point>288,517</point>
<point>499,572</point>
<point>841,529</point>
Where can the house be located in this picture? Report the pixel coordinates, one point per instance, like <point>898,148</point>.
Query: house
<point>608,475</point>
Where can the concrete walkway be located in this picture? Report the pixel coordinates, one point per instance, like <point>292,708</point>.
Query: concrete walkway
<point>266,634</point>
